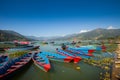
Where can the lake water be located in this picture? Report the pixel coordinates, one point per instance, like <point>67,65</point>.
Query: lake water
<point>59,70</point>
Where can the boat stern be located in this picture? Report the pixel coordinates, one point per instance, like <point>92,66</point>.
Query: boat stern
<point>47,67</point>
<point>68,59</point>
<point>77,59</point>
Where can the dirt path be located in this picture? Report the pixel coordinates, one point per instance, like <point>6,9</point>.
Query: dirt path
<point>116,70</point>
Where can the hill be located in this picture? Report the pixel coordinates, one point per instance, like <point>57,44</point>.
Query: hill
<point>100,34</point>
<point>9,35</point>
<point>94,34</point>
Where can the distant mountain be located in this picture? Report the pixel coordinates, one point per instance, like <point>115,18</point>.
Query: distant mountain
<point>100,34</point>
<point>94,34</point>
<point>42,38</point>
<point>32,37</point>
<point>9,35</point>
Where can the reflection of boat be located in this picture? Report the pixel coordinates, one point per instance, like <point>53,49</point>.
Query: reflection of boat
<point>76,59</point>
<point>41,61</point>
<point>57,57</point>
<point>3,60</point>
<point>13,66</point>
<point>70,65</point>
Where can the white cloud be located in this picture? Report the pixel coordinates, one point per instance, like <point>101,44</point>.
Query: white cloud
<point>111,27</point>
<point>83,31</point>
<point>63,35</point>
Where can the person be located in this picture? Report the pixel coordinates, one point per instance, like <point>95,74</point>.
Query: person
<point>63,46</point>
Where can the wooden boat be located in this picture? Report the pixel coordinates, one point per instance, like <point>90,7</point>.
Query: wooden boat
<point>15,65</point>
<point>23,48</point>
<point>83,50</point>
<point>77,53</point>
<point>3,60</point>
<point>57,57</point>
<point>76,59</point>
<point>80,52</point>
<point>41,61</point>
<point>36,47</point>
<point>2,49</point>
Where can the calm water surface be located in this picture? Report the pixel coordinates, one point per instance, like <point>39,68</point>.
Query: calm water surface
<point>59,70</point>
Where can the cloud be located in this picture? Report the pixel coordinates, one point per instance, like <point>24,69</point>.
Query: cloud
<point>63,35</point>
<point>111,27</point>
<point>83,31</point>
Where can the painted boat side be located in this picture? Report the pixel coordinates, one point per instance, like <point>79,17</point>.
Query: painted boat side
<point>76,59</point>
<point>44,66</point>
<point>15,68</point>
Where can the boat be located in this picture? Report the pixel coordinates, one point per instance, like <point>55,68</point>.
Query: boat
<point>44,42</point>
<point>77,53</point>
<point>2,49</point>
<point>14,66</point>
<point>52,42</point>
<point>41,61</point>
<point>76,59</point>
<point>83,49</point>
<point>36,47</point>
<point>3,60</point>
<point>80,52</point>
<point>95,47</point>
<point>57,57</point>
<point>23,48</point>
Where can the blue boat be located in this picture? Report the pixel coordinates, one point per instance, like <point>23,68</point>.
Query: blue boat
<point>57,57</point>
<point>3,60</point>
<point>78,53</point>
<point>82,50</point>
<point>14,66</point>
<point>90,47</point>
<point>76,59</point>
<point>41,61</point>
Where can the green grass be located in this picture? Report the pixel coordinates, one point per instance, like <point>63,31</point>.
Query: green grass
<point>111,47</point>
<point>7,45</point>
<point>17,54</point>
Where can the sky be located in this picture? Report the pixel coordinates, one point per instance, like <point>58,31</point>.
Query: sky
<point>58,17</point>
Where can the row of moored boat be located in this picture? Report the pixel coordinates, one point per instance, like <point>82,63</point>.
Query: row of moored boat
<point>41,59</point>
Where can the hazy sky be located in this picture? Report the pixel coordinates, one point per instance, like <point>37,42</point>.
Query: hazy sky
<point>58,17</point>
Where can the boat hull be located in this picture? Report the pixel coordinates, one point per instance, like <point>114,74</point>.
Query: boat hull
<point>74,58</point>
<point>3,60</point>
<point>17,67</point>
<point>57,57</point>
<point>40,64</point>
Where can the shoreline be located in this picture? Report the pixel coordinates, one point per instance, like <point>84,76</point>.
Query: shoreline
<point>115,70</point>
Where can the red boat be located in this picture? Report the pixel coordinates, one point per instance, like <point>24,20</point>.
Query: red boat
<point>76,59</point>
<point>41,61</point>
